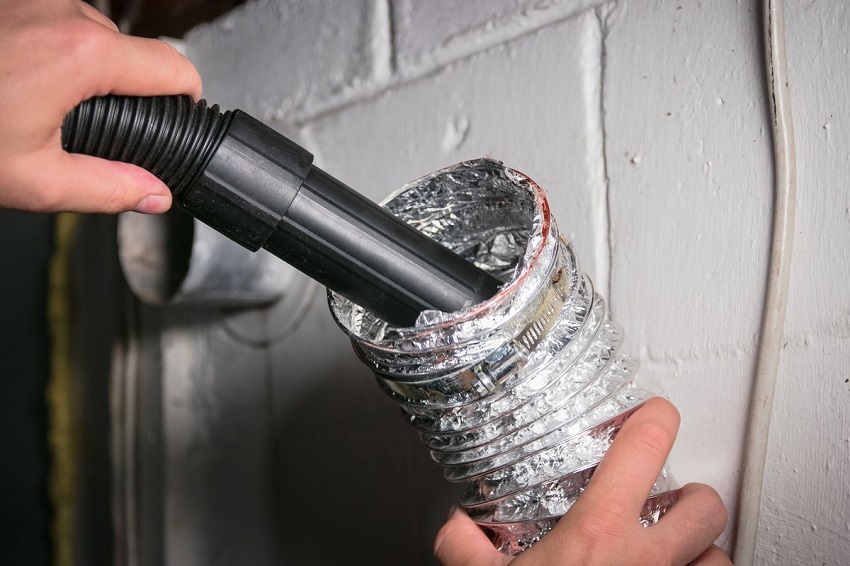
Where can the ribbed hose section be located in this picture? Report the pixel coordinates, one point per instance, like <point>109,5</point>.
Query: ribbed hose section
<point>170,136</point>
<point>519,397</point>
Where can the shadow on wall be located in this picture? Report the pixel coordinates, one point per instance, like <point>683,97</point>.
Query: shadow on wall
<point>355,485</point>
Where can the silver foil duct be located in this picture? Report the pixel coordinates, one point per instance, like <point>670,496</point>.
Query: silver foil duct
<point>518,397</point>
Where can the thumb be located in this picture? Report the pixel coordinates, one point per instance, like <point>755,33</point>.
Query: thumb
<point>81,183</point>
<point>461,543</point>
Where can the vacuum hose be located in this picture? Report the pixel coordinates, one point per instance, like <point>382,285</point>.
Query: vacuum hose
<point>261,190</point>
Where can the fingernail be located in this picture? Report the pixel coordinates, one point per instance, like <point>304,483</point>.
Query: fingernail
<point>153,204</point>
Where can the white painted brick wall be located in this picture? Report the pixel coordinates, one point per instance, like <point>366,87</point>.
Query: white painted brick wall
<point>806,511</point>
<point>647,123</point>
<point>282,59</point>
<point>434,33</point>
<point>488,104</point>
<point>690,200</point>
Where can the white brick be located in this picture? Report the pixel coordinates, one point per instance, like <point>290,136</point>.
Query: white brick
<point>713,421</point>
<point>525,103</point>
<point>689,167</point>
<point>280,59</point>
<point>805,512</point>
<point>691,222</point>
<point>690,198</point>
<point>820,78</point>
<point>430,34</point>
<point>806,507</point>
<point>688,154</point>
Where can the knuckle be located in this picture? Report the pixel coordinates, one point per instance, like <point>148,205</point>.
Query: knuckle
<point>709,502</point>
<point>183,68</point>
<point>93,40</point>
<point>601,528</point>
<point>83,40</point>
<point>654,427</point>
<point>169,56</point>
<point>48,198</point>
<point>658,555</point>
<point>715,555</point>
<point>603,538</point>
<point>653,437</point>
<point>442,548</point>
<point>113,200</point>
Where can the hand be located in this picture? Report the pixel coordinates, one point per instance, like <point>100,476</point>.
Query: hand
<point>53,55</point>
<point>602,527</point>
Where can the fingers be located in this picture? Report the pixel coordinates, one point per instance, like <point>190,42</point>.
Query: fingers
<point>104,61</point>
<point>691,525</point>
<point>153,64</point>
<point>602,527</point>
<point>88,184</point>
<point>98,185</point>
<point>629,469</point>
<point>461,543</point>
<point>714,556</point>
<point>145,66</point>
<point>91,12</point>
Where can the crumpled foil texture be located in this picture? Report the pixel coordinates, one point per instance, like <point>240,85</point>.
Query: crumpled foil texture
<point>518,397</point>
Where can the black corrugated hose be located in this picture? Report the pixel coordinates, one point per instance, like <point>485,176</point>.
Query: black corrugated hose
<point>261,189</point>
<point>170,136</point>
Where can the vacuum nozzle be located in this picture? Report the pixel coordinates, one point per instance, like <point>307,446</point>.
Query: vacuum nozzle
<point>262,190</point>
